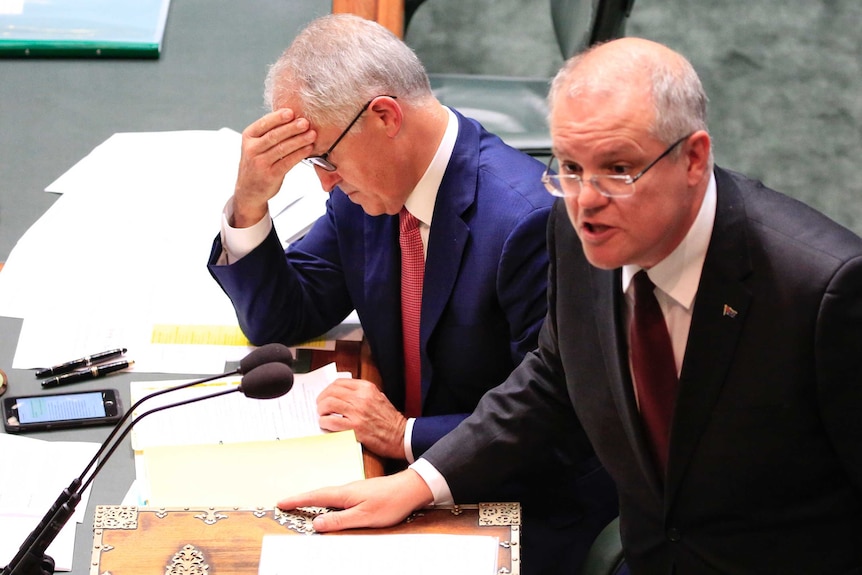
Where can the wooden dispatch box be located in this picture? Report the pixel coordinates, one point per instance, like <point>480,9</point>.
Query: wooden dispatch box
<point>211,541</point>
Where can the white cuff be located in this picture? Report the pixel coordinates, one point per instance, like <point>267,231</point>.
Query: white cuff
<point>239,242</point>
<point>408,435</point>
<point>435,481</point>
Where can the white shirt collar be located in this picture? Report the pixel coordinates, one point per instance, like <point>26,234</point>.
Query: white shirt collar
<point>421,201</point>
<point>678,275</point>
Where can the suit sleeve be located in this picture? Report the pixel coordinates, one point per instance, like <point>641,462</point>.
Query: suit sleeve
<point>522,291</point>
<point>839,361</point>
<point>291,296</point>
<point>522,281</point>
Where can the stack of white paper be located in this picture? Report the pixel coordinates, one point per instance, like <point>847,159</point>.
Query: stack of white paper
<point>123,252</point>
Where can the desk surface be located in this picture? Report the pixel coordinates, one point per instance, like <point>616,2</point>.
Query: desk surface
<point>229,540</point>
<point>54,112</point>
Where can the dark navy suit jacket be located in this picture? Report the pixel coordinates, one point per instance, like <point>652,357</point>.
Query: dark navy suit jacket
<point>485,280</point>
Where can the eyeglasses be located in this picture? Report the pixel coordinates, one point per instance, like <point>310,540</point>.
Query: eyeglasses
<point>608,185</point>
<point>322,160</point>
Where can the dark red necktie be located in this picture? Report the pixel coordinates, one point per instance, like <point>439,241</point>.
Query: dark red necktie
<point>653,368</point>
<point>412,274</point>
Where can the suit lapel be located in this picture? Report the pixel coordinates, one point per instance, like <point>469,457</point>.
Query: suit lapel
<point>449,235</point>
<point>719,314</point>
<point>382,287</point>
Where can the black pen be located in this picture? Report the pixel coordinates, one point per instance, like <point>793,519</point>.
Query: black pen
<point>87,374</point>
<point>79,363</point>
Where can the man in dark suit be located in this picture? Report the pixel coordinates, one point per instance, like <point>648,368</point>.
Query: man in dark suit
<point>353,100</point>
<point>759,466</point>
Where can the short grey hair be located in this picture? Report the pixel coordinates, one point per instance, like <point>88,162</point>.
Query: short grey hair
<point>341,61</point>
<point>678,97</point>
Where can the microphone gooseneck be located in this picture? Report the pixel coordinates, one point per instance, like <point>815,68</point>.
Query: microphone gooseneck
<point>267,376</point>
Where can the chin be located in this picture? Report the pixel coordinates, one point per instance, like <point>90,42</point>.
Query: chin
<point>602,261</point>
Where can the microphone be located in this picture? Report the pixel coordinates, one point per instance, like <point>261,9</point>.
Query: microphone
<point>262,379</point>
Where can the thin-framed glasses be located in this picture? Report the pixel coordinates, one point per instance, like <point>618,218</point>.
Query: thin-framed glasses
<point>608,185</point>
<point>322,161</point>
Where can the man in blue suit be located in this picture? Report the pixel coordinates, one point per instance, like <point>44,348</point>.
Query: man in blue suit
<point>354,101</point>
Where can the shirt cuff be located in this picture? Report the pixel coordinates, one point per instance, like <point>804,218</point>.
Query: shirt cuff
<point>435,481</point>
<point>239,242</point>
<point>408,434</point>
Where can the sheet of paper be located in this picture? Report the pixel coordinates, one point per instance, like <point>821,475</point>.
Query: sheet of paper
<point>419,554</point>
<point>35,472</point>
<point>250,475</point>
<point>231,418</point>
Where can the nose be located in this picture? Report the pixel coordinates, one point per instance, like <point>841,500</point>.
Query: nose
<point>327,179</point>
<point>590,197</point>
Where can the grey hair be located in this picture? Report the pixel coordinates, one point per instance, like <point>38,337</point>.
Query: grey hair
<point>341,61</point>
<point>678,97</point>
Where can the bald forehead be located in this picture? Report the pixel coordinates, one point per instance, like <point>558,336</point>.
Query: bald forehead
<point>617,71</point>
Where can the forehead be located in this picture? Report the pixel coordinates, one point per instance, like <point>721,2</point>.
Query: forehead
<point>594,117</point>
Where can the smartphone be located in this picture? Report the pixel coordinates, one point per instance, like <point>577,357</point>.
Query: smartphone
<point>61,410</point>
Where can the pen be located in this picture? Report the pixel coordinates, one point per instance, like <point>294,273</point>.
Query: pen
<point>87,374</point>
<point>78,363</point>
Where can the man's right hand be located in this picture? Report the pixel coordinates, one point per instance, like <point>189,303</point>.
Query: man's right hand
<point>376,502</point>
<point>271,146</point>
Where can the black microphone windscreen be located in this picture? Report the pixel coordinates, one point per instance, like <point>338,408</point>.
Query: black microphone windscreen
<point>269,353</point>
<point>267,381</point>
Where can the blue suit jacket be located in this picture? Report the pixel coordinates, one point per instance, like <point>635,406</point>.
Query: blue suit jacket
<point>485,280</point>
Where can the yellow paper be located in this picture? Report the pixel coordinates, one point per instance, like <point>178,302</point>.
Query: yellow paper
<point>250,475</point>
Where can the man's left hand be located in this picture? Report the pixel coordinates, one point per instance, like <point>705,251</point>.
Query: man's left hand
<point>359,405</point>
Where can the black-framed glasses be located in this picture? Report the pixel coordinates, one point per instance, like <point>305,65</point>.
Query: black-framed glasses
<point>608,185</point>
<point>322,161</point>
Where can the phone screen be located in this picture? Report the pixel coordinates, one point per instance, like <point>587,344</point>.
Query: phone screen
<point>60,407</point>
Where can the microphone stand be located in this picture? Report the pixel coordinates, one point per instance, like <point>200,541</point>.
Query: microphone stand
<point>72,494</point>
<point>31,558</point>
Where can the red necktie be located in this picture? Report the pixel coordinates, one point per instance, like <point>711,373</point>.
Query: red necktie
<point>653,368</point>
<point>412,274</point>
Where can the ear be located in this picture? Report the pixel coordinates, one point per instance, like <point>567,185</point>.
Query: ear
<point>388,114</point>
<point>697,154</point>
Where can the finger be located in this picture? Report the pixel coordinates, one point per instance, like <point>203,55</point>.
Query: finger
<point>343,385</point>
<point>269,121</point>
<point>334,423</point>
<point>338,389</point>
<point>330,404</point>
<point>339,520</point>
<point>284,139</point>
<point>325,497</point>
